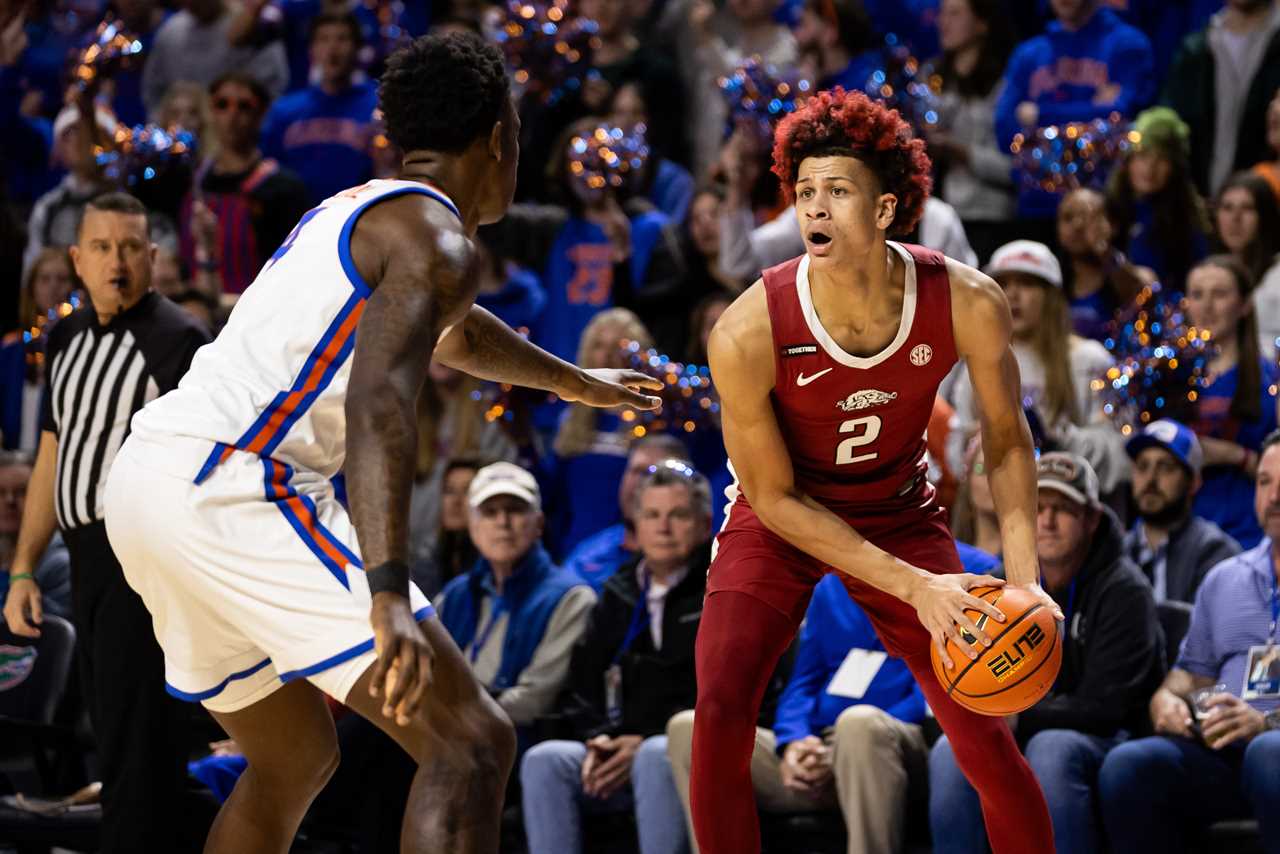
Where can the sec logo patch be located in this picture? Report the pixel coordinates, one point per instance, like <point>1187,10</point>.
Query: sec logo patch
<point>921,354</point>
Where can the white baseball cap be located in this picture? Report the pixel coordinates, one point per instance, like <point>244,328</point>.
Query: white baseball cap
<point>503,479</point>
<point>70,115</point>
<point>1026,256</point>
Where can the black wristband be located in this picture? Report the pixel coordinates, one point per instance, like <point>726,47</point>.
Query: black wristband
<point>390,577</point>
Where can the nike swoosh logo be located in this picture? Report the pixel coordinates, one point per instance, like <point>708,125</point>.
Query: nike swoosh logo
<point>803,381</point>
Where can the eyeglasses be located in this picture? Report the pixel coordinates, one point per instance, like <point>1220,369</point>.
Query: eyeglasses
<point>240,104</point>
<point>674,466</point>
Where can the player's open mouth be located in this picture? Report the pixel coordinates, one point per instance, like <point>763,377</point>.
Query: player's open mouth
<point>819,242</point>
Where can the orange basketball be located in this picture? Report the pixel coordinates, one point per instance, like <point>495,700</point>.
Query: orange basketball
<point>1020,665</point>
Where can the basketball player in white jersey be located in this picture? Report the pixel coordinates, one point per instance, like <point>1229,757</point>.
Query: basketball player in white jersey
<point>220,504</point>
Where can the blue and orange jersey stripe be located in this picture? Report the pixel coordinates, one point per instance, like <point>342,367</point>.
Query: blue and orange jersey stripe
<point>300,511</point>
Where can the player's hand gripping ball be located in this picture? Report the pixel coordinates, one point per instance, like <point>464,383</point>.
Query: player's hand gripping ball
<point>1019,667</point>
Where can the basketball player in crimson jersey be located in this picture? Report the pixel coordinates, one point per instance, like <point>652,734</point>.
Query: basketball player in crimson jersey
<point>828,368</point>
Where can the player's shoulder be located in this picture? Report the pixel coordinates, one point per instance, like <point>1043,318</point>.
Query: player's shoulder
<point>744,326</point>
<point>416,232</point>
<point>973,291</point>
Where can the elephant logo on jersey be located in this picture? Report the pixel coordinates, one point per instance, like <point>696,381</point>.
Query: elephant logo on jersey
<point>921,355</point>
<point>865,399</point>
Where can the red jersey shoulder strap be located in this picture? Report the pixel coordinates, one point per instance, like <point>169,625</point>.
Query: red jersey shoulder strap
<point>786,317</point>
<point>933,321</point>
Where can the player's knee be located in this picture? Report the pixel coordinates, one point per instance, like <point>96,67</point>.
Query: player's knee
<point>720,710</point>
<point>490,739</point>
<point>305,772</point>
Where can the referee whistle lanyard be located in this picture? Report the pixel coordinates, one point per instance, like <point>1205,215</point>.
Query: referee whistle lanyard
<point>639,622</point>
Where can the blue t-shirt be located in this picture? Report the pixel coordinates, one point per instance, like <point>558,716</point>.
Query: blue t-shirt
<point>975,560</point>
<point>1145,252</point>
<point>580,493</point>
<point>1226,497</point>
<point>913,22</point>
<point>599,556</point>
<point>521,301</point>
<point>853,77</point>
<point>672,190</point>
<point>1090,315</point>
<point>326,139</point>
<point>834,626</point>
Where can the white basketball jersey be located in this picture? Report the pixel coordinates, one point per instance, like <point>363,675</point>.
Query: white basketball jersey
<point>274,381</point>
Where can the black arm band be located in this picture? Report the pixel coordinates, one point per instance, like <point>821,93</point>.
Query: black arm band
<point>390,577</point>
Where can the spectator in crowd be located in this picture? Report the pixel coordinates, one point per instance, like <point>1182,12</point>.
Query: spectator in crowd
<point>514,614</point>
<point>126,348</point>
<point>24,145</point>
<point>56,213</point>
<point>974,522</point>
<point>837,44</point>
<point>325,132</point>
<point>46,289</point>
<point>977,39</point>
<point>1212,758</point>
<point>914,22</point>
<point>1056,366</point>
<point>1237,409</point>
<point>847,731</point>
<point>1221,83</point>
<point>241,205</point>
<point>621,60</point>
<point>1098,278</point>
<point>451,424</point>
<point>452,551</point>
<point>1247,222</point>
<point>1112,659</point>
<point>1174,548</point>
<point>511,292</point>
<point>702,320</point>
<point>597,557</point>
<point>1087,64</point>
<point>593,251</point>
<point>702,246</point>
<point>715,45</point>
<point>123,90</point>
<point>186,105</point>
<point>1270,169</point>
<point>670,186</point>
<point>53,571</point>
<point>632,670</point>
<point>193,45</point>
<point>1157,215</point>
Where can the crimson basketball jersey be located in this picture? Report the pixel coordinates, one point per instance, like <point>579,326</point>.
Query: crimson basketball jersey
<point>854,426</point>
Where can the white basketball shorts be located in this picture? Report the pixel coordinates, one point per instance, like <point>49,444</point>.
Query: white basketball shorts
<point>253,577</point>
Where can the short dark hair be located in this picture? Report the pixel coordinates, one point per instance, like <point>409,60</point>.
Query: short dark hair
<point>346,19</point>
<point>443,92</point>
<point>114,202</point>
<point>677,472</point>
<point>248,81</point>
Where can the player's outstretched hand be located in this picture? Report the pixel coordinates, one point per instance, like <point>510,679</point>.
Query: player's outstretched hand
<point>402,671</point>
<point>940,602</point>
<point>606,387</point>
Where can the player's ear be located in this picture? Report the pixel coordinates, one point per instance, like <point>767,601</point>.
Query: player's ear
<point>886,210</point>
<point>495,140</point>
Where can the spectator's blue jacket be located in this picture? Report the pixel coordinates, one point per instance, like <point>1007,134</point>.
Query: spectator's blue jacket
<point>975,560</point>
<point>599,556</point>
<point>833,625</point>
<point>530,597</point>
<point>521,301</point>
<point>326,139</point>
<point>1104,66</point>
<point>672,190</point>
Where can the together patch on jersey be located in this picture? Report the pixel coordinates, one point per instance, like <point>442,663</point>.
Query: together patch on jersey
<point>800,350</point>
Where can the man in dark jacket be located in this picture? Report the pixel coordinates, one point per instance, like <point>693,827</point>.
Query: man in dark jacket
<point>1221,83</point>
<point>1112,659</point>
<point>632,670</point>
<point>1174,549</point>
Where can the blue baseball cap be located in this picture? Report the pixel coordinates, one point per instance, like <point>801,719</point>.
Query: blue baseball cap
<point>1178,439</point>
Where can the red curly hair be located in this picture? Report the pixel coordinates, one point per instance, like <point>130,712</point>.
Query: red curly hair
<point>840,123</point>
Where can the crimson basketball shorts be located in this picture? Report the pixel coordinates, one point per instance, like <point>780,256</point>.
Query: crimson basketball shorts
<point>751,559</point>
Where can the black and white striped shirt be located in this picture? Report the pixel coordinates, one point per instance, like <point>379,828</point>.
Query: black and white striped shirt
<point>96,378</point>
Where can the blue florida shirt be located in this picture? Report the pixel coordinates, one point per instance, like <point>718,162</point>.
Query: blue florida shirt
<point>1078,76</point>
<point>326,139</point>
<point>833,626</point>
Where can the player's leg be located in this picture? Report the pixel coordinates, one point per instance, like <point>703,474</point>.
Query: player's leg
<point>740,640</point>
<point>1016,814</point>
<point>464,746</point>
<point>284,774</point>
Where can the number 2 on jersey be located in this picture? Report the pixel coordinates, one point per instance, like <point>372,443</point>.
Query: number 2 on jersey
<point>866,429</point>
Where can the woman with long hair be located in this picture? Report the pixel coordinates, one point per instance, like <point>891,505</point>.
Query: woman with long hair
<point>977,38</point>
<point>1057,366</point>
<point>973,514</point>
<point>1246,221</point>
<point>591,445</point>
<point>1098,279</point>
<point>1237,409</point>
<point>1158,217</point>
<point>50,291</point>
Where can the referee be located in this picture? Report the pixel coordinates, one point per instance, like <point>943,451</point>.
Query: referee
<point>104,362</point>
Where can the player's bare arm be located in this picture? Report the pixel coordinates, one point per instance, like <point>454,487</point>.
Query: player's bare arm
<point>741,356</point>
<point>983,330</point>
<point>485,347</point>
